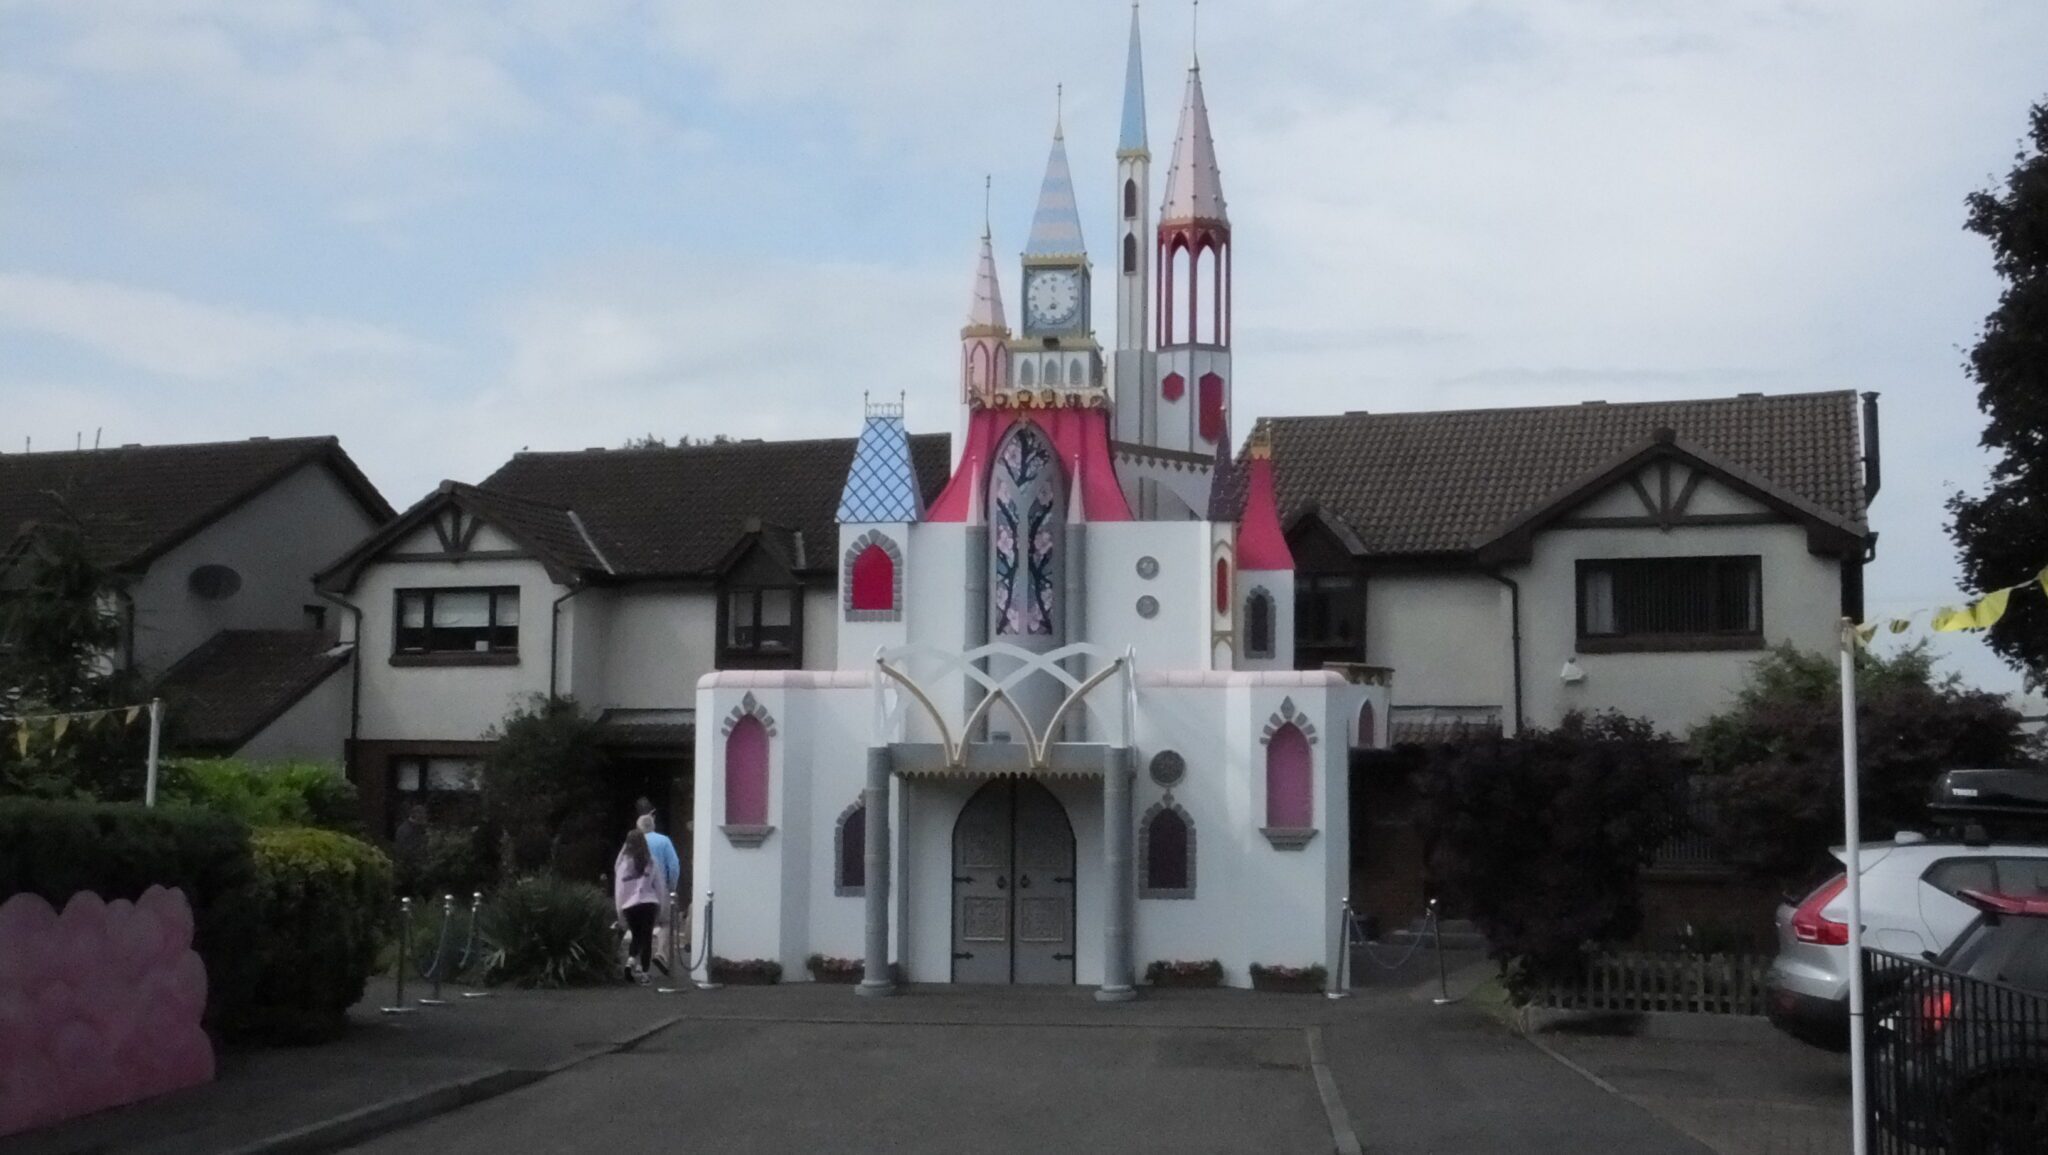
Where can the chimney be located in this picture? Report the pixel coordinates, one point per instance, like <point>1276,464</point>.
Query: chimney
<point>1873,464</point>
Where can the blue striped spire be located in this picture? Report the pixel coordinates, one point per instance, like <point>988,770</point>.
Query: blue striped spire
<point>1056,226</point>
<point>1132,138</point>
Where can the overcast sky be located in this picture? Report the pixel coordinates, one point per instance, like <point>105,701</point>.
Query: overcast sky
<point>447,231</point>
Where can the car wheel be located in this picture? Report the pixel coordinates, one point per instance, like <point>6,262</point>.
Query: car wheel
<point>2004,1115</point>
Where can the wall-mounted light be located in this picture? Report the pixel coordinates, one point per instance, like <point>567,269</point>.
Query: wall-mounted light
<point>1573,673</point>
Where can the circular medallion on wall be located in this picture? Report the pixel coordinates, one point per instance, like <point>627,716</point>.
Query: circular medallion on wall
<point>1168,768</point>
<point>1148,567</point>
<point>1148,606</point>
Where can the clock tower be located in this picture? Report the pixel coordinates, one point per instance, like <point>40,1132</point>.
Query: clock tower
<point>1057,348</point>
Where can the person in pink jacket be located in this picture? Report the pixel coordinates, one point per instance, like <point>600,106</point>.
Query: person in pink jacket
<point>638,884</point>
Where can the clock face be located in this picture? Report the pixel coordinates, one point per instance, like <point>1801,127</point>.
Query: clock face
<point>1053,298</point>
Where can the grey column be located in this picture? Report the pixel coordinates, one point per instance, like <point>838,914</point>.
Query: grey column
<point>1075,596</point>
<point>1120,886</point>
<point>875,976</point>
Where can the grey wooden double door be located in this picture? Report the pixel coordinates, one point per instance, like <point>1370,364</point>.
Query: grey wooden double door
<point>1013,886</point>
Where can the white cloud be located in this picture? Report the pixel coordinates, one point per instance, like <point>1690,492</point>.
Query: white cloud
<point>163,333</point>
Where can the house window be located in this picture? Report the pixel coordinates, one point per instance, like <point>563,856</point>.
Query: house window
<point>1329,620</point>
<point>1258,624</point>
<point>1290,780</point>
<point>458,621</point>
<point>850,853</point>
<point>1166,853</point>
<point>447,789</point>
<point>746,774</point>
<point>1671,603</point>
<point>763,626</point>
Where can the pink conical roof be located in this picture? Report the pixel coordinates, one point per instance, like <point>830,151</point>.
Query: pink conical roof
<point>986,312</point>
<point>1261,544</point>
<point>1194,185</point>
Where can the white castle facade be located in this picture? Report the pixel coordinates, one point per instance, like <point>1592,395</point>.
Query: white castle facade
<point>1065,737</point>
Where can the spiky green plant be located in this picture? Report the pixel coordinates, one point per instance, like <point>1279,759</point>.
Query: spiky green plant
<point>544,931</point>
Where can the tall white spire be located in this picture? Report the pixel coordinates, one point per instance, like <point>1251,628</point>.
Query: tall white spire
<point>1194,185</point>
<point>1132,138</point>
<point>985,314</point>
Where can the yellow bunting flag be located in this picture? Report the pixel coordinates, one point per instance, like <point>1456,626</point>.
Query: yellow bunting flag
<point>133,711</point>
<point>21,740</point>
<point>57,727</point>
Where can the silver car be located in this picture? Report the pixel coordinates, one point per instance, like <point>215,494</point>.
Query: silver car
<point>1910,908</point>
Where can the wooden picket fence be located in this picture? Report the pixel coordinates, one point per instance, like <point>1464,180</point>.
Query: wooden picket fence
<point>1714,984</point>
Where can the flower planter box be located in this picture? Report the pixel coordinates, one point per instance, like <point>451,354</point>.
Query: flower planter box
<point>1185,974</point>
<point>834,970</point>
<point>1290,980</point>
<point>757,972</point>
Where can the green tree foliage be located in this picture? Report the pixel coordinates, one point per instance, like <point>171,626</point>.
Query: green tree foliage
<point>259,794</point>
<point>1541,839</point>
<point>61,631</point>
<point>545,789</point>
<point>324,902</point>
<point>2003,534</point>
<point>1770,768</point>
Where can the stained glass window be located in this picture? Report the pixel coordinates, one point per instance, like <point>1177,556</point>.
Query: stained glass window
<point>1024,523</point>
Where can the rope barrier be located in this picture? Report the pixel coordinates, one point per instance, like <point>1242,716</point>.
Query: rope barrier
<point>404,963</point>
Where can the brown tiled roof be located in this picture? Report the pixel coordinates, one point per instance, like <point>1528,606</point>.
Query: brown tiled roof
<point>140,500</point>
<point>225,692</point>
<point>680,512</point>
<point>1435,483</point>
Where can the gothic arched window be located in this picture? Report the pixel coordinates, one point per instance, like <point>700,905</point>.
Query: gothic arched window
<point>1130,200</point>
<point>1166,852</point>
<point>1130,252</point>
<point>1258,624</point>
<point>850,852</point>
<point>1290,780</point>
<point>1222,586</point>
<point>1025,522</point>
<point>1026,375</point>
<point>746,773</point>
<point>872,583</point>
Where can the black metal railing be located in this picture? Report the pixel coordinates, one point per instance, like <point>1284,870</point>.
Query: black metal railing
<point>1955,1064</point>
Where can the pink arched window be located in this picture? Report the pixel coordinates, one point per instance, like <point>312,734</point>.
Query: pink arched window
<point>874,580</point>
<point>746,773</point>
<point>1222,586</point>
<point>1209,422</point>
<point>1368,727</point>
<point>1290,780</point>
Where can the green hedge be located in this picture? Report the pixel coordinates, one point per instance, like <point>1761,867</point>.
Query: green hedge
<point>118,850</point>
<point>266,794</point>
<point>326,905</point>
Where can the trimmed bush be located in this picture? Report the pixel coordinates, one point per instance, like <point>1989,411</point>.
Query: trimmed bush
<point>445,860</point>
<point>545,931</point>
<point>325,901</point>
<point>118,850</point>
<point>279,794</point>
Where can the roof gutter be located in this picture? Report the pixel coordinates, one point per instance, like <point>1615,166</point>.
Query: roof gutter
<point>1515,634</point>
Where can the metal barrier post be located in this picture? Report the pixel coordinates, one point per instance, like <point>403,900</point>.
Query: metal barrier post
<point>1340,987</point>
<point>441,952</point>
<point>1443,982</point>
<point>404,958</point>
<point>677,963</point>
<point>476,903</point>
<point>709,983</point>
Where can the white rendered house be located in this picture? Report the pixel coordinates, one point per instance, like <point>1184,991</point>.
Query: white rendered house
<point>1064,736</point>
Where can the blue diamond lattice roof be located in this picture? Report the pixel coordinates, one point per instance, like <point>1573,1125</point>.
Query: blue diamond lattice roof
<point>881,484</point>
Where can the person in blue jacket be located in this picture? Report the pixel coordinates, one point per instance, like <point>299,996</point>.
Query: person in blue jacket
<point>663,850</point>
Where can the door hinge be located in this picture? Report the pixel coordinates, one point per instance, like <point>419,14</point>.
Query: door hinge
<point>1063,878</point>
<point>960,954</point>
<point>963,878</point>
<point>1063,958</point>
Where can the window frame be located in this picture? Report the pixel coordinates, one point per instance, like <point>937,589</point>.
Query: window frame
<point>844,885</point>
<point>496,654</point>
<point>1261,610</point>
<point>1311,653</point>
<point>754,656</point>
<point>1146,889</point>
<point>1668,642</point>
<point>397,801</point>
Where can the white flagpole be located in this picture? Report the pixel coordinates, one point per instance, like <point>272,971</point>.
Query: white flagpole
<point>156,733</point>
<point>1852,835</point>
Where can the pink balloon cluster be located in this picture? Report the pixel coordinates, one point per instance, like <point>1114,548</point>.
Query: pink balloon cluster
<point>99,1006</point>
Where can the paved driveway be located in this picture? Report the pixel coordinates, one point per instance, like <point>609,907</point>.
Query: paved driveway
<point>805,1069</point>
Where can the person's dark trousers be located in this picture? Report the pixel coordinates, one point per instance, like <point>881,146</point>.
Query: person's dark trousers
<point>640,922</point>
